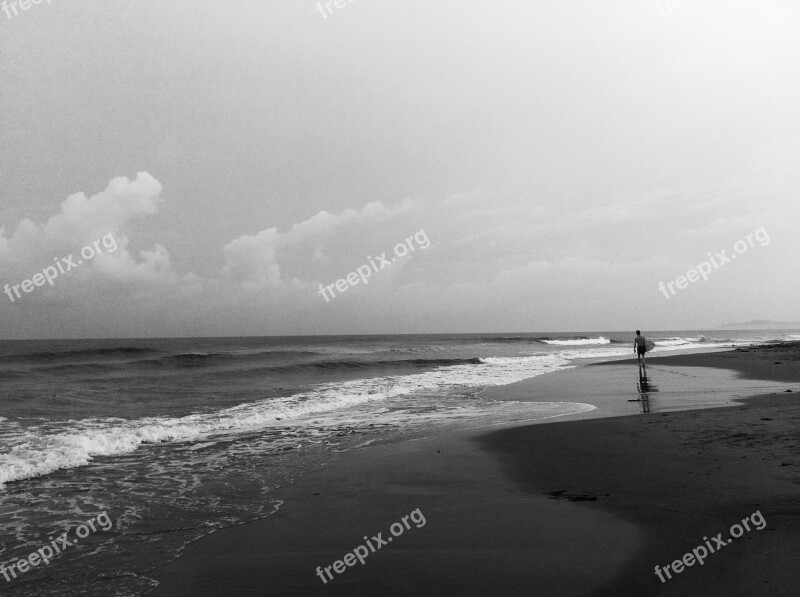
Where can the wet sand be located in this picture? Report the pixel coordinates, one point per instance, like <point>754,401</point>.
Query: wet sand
<point>632,492</point>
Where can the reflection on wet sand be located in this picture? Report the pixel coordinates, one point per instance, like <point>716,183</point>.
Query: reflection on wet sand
<point>644,387</point>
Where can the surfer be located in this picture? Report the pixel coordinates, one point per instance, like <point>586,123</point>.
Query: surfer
<point>639,347</point>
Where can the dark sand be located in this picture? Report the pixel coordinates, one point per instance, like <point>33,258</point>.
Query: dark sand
<point>635,491</point>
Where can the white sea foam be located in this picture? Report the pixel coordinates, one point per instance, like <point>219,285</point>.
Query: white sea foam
<point>595,353</point>
<point>581,342</point>
<point>662,346</point>
<point>39,450</point>
<point>675,341</point>
<point>34,451</point>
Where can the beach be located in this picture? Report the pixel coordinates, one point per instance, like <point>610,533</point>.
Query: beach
<point>299,299</point>
<point>177,438</point>
<point>587,505</point>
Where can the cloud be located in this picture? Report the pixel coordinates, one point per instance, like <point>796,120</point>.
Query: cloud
<point>254,260</point>
<point>81,220</point>
<point>492,258</point>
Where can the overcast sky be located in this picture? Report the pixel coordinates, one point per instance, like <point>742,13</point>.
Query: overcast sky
<point>562,159</point>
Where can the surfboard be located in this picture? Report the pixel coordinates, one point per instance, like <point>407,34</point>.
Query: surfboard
<point>649,345</point>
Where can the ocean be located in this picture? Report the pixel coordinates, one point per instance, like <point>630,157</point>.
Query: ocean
<point>174,438</point>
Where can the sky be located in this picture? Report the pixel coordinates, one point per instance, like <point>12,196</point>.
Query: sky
<point>199,168</point>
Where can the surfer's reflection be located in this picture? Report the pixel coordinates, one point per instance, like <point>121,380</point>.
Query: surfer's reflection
<point>645,388</point>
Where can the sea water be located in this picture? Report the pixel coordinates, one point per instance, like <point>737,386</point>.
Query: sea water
<point>176,438</point>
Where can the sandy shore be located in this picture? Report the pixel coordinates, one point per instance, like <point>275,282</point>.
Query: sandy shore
<point>632,492</point>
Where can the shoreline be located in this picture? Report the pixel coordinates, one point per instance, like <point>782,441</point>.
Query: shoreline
<point>490,527</point>
<point>769,362</point>
<point>678,477</point>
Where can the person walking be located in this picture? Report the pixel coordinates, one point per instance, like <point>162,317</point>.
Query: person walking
<point>639,347</point>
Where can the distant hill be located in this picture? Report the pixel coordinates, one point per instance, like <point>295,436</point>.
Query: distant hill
<point>762,324</point>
